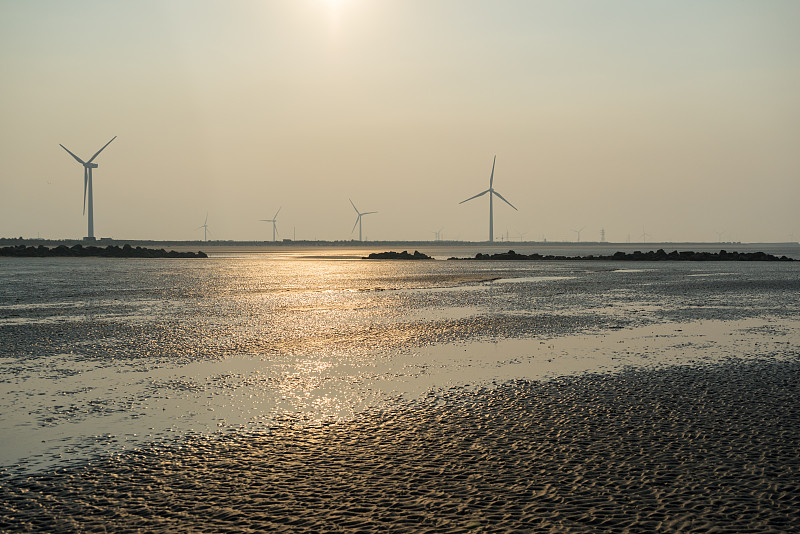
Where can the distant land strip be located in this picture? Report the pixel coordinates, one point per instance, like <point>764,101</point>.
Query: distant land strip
<point>79,251</point>
<point>658,255</point>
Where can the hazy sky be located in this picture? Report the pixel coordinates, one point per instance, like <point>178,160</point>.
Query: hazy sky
<point>681,119</point>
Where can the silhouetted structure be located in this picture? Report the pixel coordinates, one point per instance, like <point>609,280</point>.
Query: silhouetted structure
<point>358,219</point>
<point>274,221</point>
<point>204,226</point>
<point>491,192</point>
<point>87,184</point>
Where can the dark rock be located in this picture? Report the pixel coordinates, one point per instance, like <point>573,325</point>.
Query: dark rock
<point>79,251</point>
<point>391,255</point>
<point>637,255</point>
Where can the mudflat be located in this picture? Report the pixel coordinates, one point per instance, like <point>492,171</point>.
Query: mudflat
<point>687,448</point>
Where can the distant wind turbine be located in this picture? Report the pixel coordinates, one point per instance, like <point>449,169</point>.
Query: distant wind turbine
<point>492,193</point>
<point>358,219</point>
<point>87,184</point>
<point>274,221</point>
<point>579,233</point>
<point>204,226</point>
<point>438,234</point>
<point>645,235</point>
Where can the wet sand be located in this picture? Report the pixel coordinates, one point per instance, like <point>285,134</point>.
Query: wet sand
<point>711,448</point>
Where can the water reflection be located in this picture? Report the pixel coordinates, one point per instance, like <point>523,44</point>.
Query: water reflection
<point>117,352</point>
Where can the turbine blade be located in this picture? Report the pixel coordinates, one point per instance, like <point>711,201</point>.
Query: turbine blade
<point>85,183</point>
<point>79,160</point>
<point>491,178</point>
<point>206,221</point>
<point>369,213</point>
<point>504,200</point>
<point>476,196</point>
<point>354,207</point>
<point>356,224</point>
<point>98,152</point>
<point>275,217</point>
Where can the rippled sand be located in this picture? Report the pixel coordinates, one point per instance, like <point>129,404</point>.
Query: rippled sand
<point>700,449</point>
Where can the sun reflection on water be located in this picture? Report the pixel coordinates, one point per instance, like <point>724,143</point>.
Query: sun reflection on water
<point>144,349</point>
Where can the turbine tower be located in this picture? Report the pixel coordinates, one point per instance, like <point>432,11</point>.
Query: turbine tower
<point>87,184</point>
<point>358,219</point>
<point>204,226</point>
<point>491,192</point>
<point>274,221</point>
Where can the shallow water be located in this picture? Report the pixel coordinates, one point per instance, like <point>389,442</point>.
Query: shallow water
<point>102,355</point>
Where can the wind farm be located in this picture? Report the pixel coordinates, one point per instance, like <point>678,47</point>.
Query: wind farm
<point>89,165</point>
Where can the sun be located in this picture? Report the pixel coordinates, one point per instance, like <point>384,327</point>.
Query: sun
<point>333,5</point>
<point>335,10</point>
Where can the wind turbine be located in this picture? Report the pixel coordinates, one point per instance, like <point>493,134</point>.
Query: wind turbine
<point>491,192</point>
<point>579,233</point>
<point>274,221</point>
<point>204,226</point>
<point>358,219</point>
<point>87,184</point>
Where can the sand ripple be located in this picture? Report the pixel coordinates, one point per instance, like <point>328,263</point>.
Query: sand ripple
<point>684,449</point>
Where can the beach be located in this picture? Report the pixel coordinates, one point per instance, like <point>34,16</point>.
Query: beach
<point>684,449</point>
<point>255,393</point>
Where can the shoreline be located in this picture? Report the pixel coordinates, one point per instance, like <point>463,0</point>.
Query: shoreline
<point>681,448</point>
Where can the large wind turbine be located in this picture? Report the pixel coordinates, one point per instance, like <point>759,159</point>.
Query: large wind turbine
<point>87,184</point>
<point>274,221</point>
<point>358,219</point>
<point>204,226</point>
<point>491,192</point>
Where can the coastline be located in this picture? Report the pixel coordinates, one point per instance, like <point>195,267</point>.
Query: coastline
<point>681,448</point>
<point>437,249</point>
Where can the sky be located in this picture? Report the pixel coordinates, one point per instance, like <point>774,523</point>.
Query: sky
<point>679,120</point>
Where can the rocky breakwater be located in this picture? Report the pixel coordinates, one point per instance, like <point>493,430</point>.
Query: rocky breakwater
<point>391,255</point>
<point>79,251</point>
<point>658,255</point>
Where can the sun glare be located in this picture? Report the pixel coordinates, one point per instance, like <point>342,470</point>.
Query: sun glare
<point>335,9</point>
<point>333,5</point>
